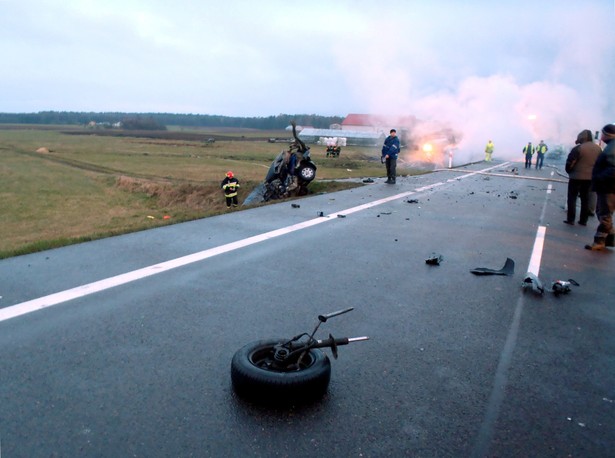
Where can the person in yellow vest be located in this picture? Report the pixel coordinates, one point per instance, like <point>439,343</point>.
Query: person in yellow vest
<point>230,185</point>
<point>541,149</point>
<point>488,151</point>
<point>528,150</point>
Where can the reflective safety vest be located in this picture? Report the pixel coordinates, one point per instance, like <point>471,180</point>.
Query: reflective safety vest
<point>542,149</point>
<point>230,186</point>
<point>528,149</point>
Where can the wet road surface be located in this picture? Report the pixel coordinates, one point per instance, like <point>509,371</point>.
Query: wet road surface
<point>122,346</point>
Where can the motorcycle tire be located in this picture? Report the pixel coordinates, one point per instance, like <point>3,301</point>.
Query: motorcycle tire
<point>252,380</point>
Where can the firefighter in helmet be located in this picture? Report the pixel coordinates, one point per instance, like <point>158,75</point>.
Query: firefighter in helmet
<point>230,185</point>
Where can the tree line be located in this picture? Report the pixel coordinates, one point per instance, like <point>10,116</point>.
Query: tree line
<point>280,121</point>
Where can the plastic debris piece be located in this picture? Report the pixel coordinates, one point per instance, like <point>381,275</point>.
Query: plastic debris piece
<point>508,269</point>
<point>166,217</point>
<point>295,205</point>
<point>341,216</point>
<point>320,214</point>
<point>151,217</point>
<point>434,259</point>
<point>412,201</point>
<point>532,282</point>
<point>513,195</point>
<point>368,180</point>
<point>562,286</point>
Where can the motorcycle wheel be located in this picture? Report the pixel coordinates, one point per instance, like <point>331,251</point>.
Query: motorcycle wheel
<point>254,379</point>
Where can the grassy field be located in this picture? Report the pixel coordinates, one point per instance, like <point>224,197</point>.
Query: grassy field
<point>83,187</point>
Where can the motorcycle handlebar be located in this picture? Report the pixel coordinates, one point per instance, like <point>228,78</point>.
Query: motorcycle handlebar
<point>331,341</point>
<point>324,318</point>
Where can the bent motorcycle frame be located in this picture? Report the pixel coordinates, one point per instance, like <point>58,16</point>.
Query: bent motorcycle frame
<point>289,355</point>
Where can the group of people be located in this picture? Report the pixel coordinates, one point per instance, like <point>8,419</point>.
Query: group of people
<point>540,150</point>
<point>591,169</point>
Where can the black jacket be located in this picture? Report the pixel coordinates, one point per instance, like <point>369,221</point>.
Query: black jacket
<point>603,174</point>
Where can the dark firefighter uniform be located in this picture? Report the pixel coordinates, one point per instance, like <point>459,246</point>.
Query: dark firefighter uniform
<point>230,185</point>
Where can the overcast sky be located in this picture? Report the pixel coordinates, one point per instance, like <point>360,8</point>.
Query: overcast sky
<point>477,63</point>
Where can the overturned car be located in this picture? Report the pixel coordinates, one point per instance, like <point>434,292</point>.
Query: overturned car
<point>291,171</point>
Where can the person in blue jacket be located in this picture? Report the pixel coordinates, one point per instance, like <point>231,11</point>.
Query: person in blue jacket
<point>390,150</point>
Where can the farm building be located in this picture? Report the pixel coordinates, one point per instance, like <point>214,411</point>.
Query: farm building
<point>352,137</point>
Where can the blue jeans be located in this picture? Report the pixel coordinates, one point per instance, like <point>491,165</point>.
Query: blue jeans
<point>539,160</point>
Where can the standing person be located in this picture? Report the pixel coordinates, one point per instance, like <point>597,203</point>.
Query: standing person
<point>230,185</point>
<point>488,151</point>
<point>603,182</point>
<point>390,150</point>
<point>541,149</point>
<point>579,165</point>
<point>528,150</point>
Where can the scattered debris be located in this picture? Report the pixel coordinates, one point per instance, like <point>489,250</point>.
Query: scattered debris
<point>412,201</point>
<point>508,269</point>
<point>151,217</point>
<point>320,214</point>
<point>368,180</point>
<point>513,195</point>
<point>434,259</point>
<point>385,213</point>
<point>341,216</point>
<point>295,205</point>
<point>515,170</point>
<point>166,217</point>
<point>532,281</point>
<point>562,286</point>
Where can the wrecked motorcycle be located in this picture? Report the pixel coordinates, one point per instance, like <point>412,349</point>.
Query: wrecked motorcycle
<point>295,370</point>
<point>290,173</point>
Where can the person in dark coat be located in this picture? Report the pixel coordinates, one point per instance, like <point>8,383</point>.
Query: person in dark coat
<point>579,165</point>
<point>603,183</point>
<point>390,150</point>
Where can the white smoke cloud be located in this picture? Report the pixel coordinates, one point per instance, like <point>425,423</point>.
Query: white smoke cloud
<point>514,74</point>
<point>498,108</point>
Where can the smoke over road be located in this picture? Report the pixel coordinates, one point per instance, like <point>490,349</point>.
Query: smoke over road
<point>510,74</point>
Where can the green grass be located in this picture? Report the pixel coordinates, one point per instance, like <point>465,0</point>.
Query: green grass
<point>93,186</point>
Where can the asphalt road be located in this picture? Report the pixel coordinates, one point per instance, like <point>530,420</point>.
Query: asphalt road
<point>122,347</point>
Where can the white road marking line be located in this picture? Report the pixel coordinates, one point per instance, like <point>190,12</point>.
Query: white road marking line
<point>485,434</point>
<point>107,283</point>
<point>536,258</point>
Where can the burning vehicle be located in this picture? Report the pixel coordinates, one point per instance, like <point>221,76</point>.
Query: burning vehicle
<point>428,146</point>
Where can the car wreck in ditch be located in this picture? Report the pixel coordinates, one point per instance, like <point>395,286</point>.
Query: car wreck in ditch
<point>289,175</point>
